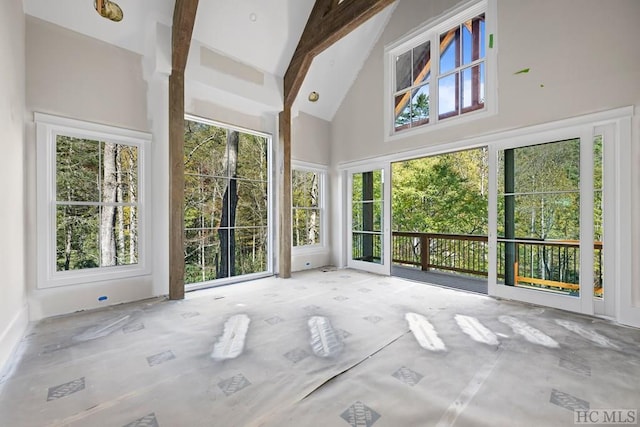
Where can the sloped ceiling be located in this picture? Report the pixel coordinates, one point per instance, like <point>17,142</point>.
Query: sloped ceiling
<point>262,34</point>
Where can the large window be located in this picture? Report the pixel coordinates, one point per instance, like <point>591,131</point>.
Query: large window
<point>226,212</point>
<point>440,72</point>
<point>90,198</point>
<point>308,217</point>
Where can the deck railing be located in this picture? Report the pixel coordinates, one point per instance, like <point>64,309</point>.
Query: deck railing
<point>450,252</point>
<point>544,264</point>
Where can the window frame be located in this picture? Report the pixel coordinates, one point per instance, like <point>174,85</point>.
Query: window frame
<point>270,264</point>
<point>48,127</point>
<point>430,31</point>
<point>322,172</point>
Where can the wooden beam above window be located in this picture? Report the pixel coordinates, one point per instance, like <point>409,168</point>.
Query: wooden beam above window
<point>184,18</point>
<point>329,21</point>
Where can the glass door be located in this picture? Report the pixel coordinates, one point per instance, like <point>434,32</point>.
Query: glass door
<point>603,225</point>
<point>368,218</point>
<point>549,221</point>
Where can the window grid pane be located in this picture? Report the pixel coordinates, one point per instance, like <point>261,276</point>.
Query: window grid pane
<point>226,202</point>
<point>460,87</point>
<point>413,72</point>
<point>421,63</point>
<point>96,204</point>
<point>403,71</point>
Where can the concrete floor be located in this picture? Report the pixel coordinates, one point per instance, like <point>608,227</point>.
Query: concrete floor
<point>333,348</point>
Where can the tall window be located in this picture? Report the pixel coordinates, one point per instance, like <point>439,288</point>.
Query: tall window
<point>226,202</point>
<point>90,201</point>
<point>440,72</point>
<point>307,215</point>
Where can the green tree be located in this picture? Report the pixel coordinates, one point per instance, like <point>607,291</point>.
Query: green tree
<point>226,180</point>
<point>441,194</point>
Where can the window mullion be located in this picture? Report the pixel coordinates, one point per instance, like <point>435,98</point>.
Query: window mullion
<point>433,85</point>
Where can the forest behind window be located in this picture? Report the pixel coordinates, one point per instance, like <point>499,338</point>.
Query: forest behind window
<point>96,203</point>
<point>447,193</point>
<point>226,202</point>
<point>306,207</point>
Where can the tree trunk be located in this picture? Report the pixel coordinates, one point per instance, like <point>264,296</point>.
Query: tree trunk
<point>67,244</point>
<point>203,274</point>
<point>226,231</point>
<point>313,220</point>
<point>108,216</point>
<point>133,219</point>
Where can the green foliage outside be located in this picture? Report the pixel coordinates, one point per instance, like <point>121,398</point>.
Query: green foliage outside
<point>448,194</point>
<point>306,209</point>
<point>367,215</point>
<point>211,170</point>
<point>547,191</point>
<point>441,194</point>
<point>96,204</point>
<point>416,111</point>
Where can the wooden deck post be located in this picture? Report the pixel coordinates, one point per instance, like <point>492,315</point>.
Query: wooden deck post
<point>425,253</point>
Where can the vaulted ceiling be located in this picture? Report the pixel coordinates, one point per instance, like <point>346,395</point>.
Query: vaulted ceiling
<point>261,34</point>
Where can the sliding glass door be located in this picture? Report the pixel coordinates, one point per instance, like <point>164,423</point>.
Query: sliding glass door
<point>549,221</point>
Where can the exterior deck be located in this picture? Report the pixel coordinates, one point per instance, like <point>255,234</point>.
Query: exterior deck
<point>450,280</point>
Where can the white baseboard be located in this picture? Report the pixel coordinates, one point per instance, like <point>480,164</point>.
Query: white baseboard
<point>630,316</point>
<point>10,339</point>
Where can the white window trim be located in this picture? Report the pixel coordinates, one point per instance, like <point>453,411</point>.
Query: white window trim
<point>271,226</point>
<point>322,172</point>
<point>47,128</point>
<point>431,30</point>
<point>585,128</point>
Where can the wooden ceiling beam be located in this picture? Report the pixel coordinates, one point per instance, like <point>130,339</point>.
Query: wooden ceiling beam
<point>330,20</point>
<point>184,17</point>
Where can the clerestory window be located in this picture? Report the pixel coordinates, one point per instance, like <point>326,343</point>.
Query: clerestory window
<point>441,71</point>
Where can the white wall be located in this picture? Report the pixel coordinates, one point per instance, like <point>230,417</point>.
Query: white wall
<point>13,308</point>
<point>310,139</point>
<point>583,58</point>
<point>75,76</point>
<point>311,143</point>
<point>584,52</point>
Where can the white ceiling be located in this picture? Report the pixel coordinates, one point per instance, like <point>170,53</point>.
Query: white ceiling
<point>131,33</point>
<point>333,71</point>
<point>260,33</point>
<point>267,43</point>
